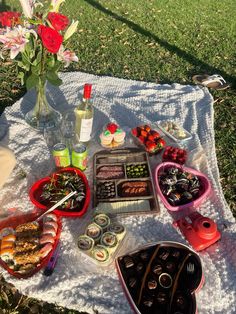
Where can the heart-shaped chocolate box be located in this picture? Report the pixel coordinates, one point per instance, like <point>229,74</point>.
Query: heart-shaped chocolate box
<point>161,278</point>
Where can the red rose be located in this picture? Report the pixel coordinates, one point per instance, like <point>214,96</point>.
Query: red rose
<point>9,18</point>
<point>51,39</point>
<point>58,21</point>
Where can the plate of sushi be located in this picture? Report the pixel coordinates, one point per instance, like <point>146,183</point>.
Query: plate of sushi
<point>26,245</point>
<point>101,239</point>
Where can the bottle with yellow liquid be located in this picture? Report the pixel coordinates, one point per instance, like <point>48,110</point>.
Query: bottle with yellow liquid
<point>84,116</point>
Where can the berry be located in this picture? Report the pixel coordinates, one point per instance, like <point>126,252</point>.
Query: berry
<point>151,138</point>
<point>142,138</point>
<point>134,131</point>
<point>112,127</point>
<point>155,134</point>
<point>144,133</point>
<point>151,147</point>
<point>147,128</point>
<point>161,143</point>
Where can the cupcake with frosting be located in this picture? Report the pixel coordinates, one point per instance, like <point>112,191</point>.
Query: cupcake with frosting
<point>112,136</point>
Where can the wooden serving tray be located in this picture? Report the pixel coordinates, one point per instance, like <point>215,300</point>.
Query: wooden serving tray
<point>129,177</point>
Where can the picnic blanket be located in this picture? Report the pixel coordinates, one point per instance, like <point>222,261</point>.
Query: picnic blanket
<point>129,103</point>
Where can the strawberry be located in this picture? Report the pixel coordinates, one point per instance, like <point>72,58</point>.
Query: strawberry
<point>142,138</point>
<point>151,138</point>
<point>155,134</point>
<point>134,132</point>
<point>112,127</point>
<point>147,128</point>
<point>144,133</point>
<point>151,146</point>
<point>161,143</point>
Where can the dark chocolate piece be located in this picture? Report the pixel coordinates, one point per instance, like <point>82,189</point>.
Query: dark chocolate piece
<point>157,269</point>
<point>175,253</point>
<point>139,267</point>
<point>162,298</point>
<point>180,302</point>
<point>132,282</point>
<point>144,255</point>
<point>152,284</point>
<point>164,255</point>
<point>165,280</point>
<point>148,302</point>
<point>170,266</point>
<point>128,261</point>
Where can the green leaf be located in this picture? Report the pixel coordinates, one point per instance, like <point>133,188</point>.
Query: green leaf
<point>53,78</point>
<point>32,81</point>
<point>25,66</point>
<point>21,76</point>
<point>36,69</point>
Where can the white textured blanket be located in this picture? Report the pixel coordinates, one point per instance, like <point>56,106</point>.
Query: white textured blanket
<point>129,103</point>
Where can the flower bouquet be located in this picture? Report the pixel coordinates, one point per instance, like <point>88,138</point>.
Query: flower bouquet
<point>37,41</point>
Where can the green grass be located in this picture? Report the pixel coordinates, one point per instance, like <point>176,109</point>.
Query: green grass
<point>161,41</point>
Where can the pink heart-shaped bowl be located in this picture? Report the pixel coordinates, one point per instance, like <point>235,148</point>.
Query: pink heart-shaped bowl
<point>205,188</point>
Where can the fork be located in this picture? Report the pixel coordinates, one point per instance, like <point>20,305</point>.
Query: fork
<point>190,268</point>
<point>57,204</point>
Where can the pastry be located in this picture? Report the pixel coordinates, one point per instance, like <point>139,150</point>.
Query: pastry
<point>112,136</point>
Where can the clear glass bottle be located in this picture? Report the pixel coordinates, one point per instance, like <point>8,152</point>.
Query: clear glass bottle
<point>84,116</point>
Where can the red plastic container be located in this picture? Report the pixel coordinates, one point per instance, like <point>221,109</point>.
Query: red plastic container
<point>204,191</point>
<point>13,222</point>
<point>36,191</point>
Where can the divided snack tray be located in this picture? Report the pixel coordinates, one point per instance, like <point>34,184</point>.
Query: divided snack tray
<point>12,223</point>
<point>161,278</point>
<point>101,240</point>
<point>123,182</point>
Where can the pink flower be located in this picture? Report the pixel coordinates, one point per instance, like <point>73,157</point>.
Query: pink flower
<point>66,56</point>
<point>15,40</point>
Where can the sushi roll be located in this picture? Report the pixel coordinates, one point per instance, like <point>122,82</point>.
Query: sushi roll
<point>118,229</point>
<point>9,238</point>
<point>109,239</point>
<point>7,254</point>
<point>6,231</point>
<point>51,223</point>
<point>7,244</point>
<point>50,217</point>
<point>94,231</point>
<point>45,250</point>
<point>85,243</point>
<point>102,220</point>
<point>47,238</point>
<point>47,229</point>
<point>100,253</point>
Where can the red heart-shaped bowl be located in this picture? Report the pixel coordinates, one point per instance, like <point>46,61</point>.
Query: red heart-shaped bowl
<point>205,188</point>
<point>36,191</point>
<point>13,222</point>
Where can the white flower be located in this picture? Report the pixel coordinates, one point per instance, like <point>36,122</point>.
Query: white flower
<point>70,30</point>
<point>15,39</point>
<point>66,56</point>
<point>55,5</point>
<point>27,7</point>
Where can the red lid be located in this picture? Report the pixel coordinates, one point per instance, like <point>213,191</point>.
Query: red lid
<point>87,91</point>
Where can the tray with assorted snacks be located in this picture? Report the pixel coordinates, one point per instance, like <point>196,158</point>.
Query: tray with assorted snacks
<point>175,131</point>
<point>101,239</point>
<point>26,244</point>
<point>123,182</point>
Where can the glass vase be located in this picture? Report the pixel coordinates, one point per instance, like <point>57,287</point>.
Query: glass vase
<point>42,116</point>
